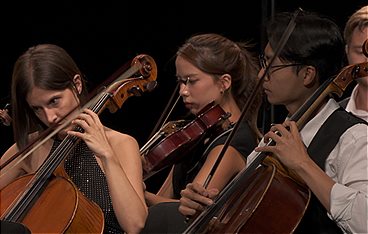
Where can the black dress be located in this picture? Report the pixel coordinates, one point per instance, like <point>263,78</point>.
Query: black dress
<point>86,174</point>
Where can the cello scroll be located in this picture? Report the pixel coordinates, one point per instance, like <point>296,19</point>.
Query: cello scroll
<point>144,81</point>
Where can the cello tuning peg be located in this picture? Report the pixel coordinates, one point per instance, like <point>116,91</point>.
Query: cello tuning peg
<point>151,86</point>
<point>136,91</point>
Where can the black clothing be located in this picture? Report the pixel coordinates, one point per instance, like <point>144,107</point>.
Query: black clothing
<point>86,174</point>
<point>165,217</point>
<point>13,228</point>
<point>244,141</point>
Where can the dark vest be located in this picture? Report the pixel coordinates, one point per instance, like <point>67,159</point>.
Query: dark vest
<point>315,219</point>
<point>343,103</point>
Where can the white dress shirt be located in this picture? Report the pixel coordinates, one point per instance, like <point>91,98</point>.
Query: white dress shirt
<point>351,106</point>
<point>347,165</point>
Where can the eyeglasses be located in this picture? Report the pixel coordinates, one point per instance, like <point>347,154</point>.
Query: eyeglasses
<point>263,62</point>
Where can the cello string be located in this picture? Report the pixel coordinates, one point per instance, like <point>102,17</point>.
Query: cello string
<point>44,172</point>
<point>32,188</point>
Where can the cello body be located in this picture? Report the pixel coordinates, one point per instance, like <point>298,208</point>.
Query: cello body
<point>270,202</point>
<point>71,211</point>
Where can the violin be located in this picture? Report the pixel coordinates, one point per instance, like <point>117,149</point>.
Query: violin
<point>35,199</point>
<point>178,137</point>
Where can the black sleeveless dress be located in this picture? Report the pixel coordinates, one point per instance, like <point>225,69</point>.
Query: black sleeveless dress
<point>83,170</point>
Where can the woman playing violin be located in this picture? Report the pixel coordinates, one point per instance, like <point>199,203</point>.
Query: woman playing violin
<point>209,67</point>
<point>338,179</point>
<point>105,166</point>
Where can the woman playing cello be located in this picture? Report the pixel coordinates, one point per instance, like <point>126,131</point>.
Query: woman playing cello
<point>209,67</point>
<point>105,166</point>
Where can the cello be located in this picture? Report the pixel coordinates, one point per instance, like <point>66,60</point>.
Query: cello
<point>265,187</point>
<point>29,199</point>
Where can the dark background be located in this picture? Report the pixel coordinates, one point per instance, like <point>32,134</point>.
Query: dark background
<point>103,36</point>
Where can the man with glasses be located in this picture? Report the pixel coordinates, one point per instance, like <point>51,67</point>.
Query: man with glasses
<point>329,152</point>
<point>273,68</point>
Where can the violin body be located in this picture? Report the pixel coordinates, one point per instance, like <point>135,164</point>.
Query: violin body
<point>60,208</point>
<point>173,147</point>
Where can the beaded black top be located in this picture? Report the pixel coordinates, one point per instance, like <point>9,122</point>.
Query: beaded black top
<point>83,170</point>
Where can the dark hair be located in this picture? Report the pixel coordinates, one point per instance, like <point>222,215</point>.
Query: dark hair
<point>315,41</point>
<point>217,55</point>
<point>45,66</point>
